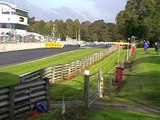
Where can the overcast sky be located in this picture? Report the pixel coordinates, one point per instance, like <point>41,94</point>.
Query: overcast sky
<point>98,9</point>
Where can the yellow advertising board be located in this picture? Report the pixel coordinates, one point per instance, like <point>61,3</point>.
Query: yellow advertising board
<point>121,43</point>
<point>53,45</point>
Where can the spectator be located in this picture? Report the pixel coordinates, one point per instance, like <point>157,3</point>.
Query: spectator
<point>146,47</point>
<point>156,47</point>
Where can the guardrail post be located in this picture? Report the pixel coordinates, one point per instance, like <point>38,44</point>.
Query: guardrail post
<point>86,90</point>
<point>47,86</point>
<point>11,102</point>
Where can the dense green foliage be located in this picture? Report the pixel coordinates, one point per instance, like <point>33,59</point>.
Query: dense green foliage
<point>96,31</point>
<point>141,19</point>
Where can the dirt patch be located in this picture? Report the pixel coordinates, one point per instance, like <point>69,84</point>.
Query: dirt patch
<point>108,105</point>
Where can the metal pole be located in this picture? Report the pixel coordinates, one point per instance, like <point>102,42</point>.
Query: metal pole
<point>110,84</point>
<point>118,53</point>
<point>127,51</point>
<point>100,84</point>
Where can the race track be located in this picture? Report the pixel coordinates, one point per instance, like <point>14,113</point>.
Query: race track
<point>16,57</point>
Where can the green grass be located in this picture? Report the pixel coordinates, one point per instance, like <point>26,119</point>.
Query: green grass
<point>146,67</point>
<point>69,88</point>
<point>144,64</point>
<point>73,89</point>
<point>108,64</point>
<point>119,115</point>
<point>10,75</point>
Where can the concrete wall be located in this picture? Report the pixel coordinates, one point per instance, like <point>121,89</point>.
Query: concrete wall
<point>20,46</point>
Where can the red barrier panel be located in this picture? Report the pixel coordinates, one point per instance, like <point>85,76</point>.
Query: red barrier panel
<point>119,72</point>
<point>133,50</point>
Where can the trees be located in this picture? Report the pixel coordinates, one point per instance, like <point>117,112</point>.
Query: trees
<point>96,31</point>
<point>141,19</point>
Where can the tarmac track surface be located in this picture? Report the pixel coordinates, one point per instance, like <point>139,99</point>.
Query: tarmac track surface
<point>22,56</point>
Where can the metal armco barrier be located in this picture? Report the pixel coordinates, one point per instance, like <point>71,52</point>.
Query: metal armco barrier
<point>17,101</point>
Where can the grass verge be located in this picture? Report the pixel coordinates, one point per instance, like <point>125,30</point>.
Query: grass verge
<point>69,88</point>
<point>10,75</point>
<point>119,115</point>
<point>143,87</point>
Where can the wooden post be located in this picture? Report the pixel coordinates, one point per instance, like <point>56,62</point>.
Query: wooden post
<point>42,73</point>
<point>21,79</point>
<point>96,57</point>
<point>53,74</point>
<point>100,84</point>
<point>30,103</point>
<point>75,67</point>
<point>69,69</point>
<point>86,91</point>
<point>62,67</point>
<point>79,66</point>
<point>63,109</point>
<point>47,86</point>
<point>11,102</point>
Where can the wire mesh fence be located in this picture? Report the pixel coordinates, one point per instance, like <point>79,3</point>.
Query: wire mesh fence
<point>137,88</point>
<point>71,105</point>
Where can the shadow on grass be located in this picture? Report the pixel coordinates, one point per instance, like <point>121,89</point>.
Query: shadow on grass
<point>7,79</point>
<point>148,59</point>
<point>142,87</point>
<point>72,93</point>
<point>69,90</point>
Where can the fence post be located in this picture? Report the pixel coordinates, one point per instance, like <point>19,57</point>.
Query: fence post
<point>69,70</point>
<point>63,109</point>
<point>100,84</point>
<point>86,90</point>
<point>21,79</point>
<point>75,68</point>
<point>110,84</point>
<point>53,74</point>
<point>11,102</point>
<point>30,105</point>
<point>47,85</point>
<point>62,74</point>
